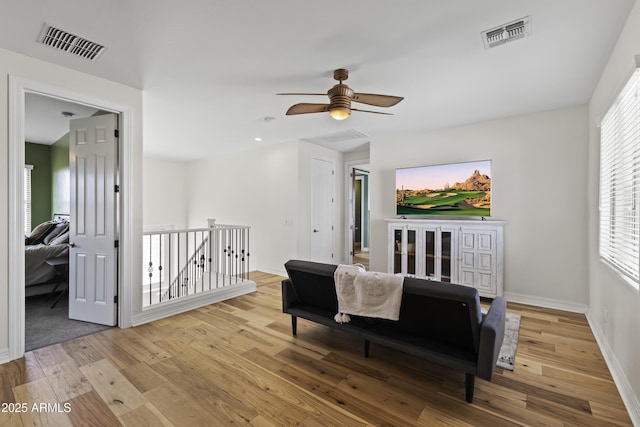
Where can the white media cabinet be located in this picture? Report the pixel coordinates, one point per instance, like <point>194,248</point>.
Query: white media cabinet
<point>466,252</point>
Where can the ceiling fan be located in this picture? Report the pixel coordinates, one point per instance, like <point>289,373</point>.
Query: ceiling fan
<point>340,98</point>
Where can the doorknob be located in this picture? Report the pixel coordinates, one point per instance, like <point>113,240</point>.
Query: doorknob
<point>72,245</point>
<point>315,231</point>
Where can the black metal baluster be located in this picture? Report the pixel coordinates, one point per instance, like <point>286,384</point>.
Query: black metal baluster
<point>160,241</point>
<point>235,273</point>
<point>193,266</point>
<point>150,269</point>
<point>170,259</point>
<point>187,279</point>
<point>209,255</point>
<point>216,247</point>
<point>202,258</point>
<point>248,251</point>
<point>243,256</point>
<point>180,271</point>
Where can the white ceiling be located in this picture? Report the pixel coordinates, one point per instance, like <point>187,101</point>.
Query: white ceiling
<point>210,69</point>
<point>44,122</point>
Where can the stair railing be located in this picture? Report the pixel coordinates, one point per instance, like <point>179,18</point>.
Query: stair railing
<point>180,263</point>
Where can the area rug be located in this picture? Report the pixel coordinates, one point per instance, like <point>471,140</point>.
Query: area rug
<point>507,356</point>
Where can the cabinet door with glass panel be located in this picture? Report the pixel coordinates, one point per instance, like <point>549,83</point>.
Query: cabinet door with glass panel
<point>437,251</point>
<point>427,252</point>
<point>404,257</point>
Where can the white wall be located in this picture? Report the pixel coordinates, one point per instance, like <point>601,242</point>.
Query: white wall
<point>266,188</point>
<point>12,64</point>
<point>539,174</point>
<point>165,193</point>
<point>620,331</point>
<point>258,188</point>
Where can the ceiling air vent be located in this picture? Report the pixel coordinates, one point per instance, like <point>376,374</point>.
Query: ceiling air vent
<point>67,42</point>
<point>515,30</point>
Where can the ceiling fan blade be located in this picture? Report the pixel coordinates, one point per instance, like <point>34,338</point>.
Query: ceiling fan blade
<point>377,100</point>
<point>369,111</point>
<point>324,94</point>
<point>307,108</point>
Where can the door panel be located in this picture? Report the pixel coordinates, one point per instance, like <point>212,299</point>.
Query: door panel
<point>93,253</point>
<point>322,197</point>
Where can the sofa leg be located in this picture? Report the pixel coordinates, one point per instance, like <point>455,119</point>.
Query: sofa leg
<point>366,348</point>
<point>469,384</point>
<point>294,325</point>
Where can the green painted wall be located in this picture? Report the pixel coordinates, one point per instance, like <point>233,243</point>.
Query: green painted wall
<point>39,156</point>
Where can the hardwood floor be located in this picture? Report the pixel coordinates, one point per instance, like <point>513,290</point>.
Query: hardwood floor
<point>237,363</point>
<point>360,256</point>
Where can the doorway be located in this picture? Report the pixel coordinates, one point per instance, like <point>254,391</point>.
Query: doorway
<point>361,217</point>
<point>18,89</point>
<point>358,211</point>
<point>47,151</point>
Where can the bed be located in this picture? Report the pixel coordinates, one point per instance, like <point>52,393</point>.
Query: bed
<point>47,240</point>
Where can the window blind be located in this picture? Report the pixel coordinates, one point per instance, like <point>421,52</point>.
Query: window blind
<point>620,182</point>
<point>27,198</point>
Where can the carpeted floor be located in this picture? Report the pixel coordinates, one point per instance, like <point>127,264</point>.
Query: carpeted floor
<point>45,325</point>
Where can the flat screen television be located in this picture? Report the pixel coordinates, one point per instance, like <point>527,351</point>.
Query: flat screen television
<point>454,189</point>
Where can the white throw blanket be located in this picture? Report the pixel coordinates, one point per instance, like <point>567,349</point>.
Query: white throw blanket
<point>367,293</point>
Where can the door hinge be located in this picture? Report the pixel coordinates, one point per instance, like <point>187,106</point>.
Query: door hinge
<point>116,133</point>
<point>116,188</point>
<point>115,299</point>
<point>116,244</point>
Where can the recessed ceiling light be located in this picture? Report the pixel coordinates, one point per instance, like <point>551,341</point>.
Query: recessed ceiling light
<point>257,139</point>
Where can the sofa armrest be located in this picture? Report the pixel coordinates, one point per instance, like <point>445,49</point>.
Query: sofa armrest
<point>289,296</point>
<point>491,336</point>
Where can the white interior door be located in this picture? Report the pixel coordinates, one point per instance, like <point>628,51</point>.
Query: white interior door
<point>93,249</point>
<point>322,202</point>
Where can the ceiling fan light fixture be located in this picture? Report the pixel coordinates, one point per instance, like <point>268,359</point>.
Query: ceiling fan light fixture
<point>340,98</point>
<point>340,113</point>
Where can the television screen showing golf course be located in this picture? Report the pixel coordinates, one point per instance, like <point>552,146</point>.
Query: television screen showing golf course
<point>457,189</point>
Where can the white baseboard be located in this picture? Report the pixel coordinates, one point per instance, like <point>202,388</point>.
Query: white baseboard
<point>619,378</point>
<point>546,302</point>
<point>277,272</point>
<point>4,356</point>
<point>171,308</point>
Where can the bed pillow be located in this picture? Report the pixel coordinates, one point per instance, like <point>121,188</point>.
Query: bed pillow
<point>39,233</point>
<point>61,239</point>
<point>60,228</point>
